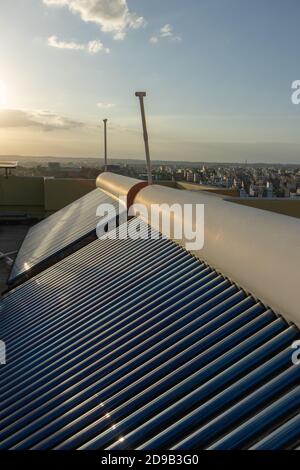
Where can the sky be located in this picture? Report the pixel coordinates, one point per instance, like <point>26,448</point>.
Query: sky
<point>218,76</point>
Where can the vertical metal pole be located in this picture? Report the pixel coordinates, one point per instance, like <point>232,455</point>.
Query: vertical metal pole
<point>141,95</point>
<point>105,144</point>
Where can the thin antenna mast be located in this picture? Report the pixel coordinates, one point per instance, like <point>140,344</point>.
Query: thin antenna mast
<point>141,95</point>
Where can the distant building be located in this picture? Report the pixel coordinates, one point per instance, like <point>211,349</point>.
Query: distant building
<point>54,166</point>
<point>190,176</point>
<point>269,190</point>
<point>113,168</point>
<point>196,178</point>
<point>243,191</point>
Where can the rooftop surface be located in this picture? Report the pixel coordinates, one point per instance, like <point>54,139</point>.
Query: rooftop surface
<point>8,164</point>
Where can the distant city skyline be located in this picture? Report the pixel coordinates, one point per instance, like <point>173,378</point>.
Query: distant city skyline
<point>218,76</point>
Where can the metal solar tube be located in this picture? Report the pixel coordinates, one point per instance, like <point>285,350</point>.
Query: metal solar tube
<point>199,416</point>
<point>176,369</point>
<point>136,360</point>
<point>112,349</point>
<point>115,387</point>
<point>200,376</point>
<point>87,252</point>
<point>106,310</point>
<point>130,271</point>
<point>178,408</point>
<point>137,339</point>
<point>67,269</point>
<point>140,320</point>
<point>130,275</point>
<point>106,320</point>
<point>93,256</point>
<point>109,245</point>
<point>204,280</point>
<point>73,403</point>
<point>141,384</point>
<point>127,269</point>
<point>281,437</point>
<point>98,249</point>
<point>104,314</point>
<point>259,422</point>
<point>159,373</point>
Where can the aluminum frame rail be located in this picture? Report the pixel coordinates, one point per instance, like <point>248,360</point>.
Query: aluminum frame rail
<point>137,344</point>
<point>60,234</point>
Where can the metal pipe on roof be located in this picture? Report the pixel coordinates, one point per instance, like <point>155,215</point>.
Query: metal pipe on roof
<point>105,144</point>
<point>141,95</point>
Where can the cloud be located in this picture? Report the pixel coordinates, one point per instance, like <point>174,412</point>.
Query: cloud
<point>120,36</point>
<point>106,105</point>
<point>166,32</point>
<point>96,46</point>
<point>44,120</point>
<point>93,47</point>
<point>54,42</point>
<point>154,40</point>
<point>112,16</point>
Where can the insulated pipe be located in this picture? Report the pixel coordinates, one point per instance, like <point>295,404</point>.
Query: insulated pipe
<point>119,186</point>
<point>258,249</point>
